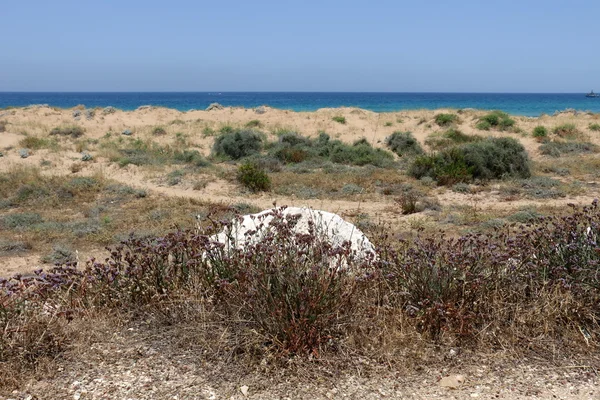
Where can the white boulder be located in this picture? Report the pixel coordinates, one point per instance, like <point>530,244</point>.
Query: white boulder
<point>331,228</point>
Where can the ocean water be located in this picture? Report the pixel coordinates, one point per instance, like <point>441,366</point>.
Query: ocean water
<point>529,104</point>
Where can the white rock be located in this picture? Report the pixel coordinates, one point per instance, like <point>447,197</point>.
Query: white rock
<point>328,226</point>
<point>244,390</point>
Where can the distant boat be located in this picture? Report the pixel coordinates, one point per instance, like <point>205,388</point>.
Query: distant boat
<point>592,94</point>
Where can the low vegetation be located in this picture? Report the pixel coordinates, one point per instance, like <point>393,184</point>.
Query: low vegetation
<point>491,158</point>
<point>496,120</point>
<point>236,144</point>
<point>594,127</point>
<point>305,297</point>
<point>445,119</point>
<point>449,138</point>
<point>567,131</point>
<point>253,177</point>
<point>540,133</point>
<point>339,119</point>
<point>559,148</point>
<point>73,131</point>
<point>403,143</point>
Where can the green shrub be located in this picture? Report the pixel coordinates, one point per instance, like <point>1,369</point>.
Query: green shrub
<point>483,126</point>
<point>389,123</point>
<point>159,131</point>
<point>540,133</point>
<point>497,120</point>
<point>403,143</point>
<point>74,131</point>
<point>339,119</point>
<point>449,138</point>
<point>446,119</point>
<point>360,153</point>
<point>293,148</point>
<point>238,144</point>
<point>568,131</point>
<point>592,127</point>
<point>253,177</point>
<point>190,157</point>
<point>557,149</point>
<point>253,124</point>
<point>491,158</point>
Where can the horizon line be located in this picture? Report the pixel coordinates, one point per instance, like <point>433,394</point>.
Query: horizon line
<point>269,91</point>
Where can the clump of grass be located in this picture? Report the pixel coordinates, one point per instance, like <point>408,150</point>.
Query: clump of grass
<point>339,119</point>
<point>159,131</point>
<point>34,143</point>
<point>594,127</point>
<point>449,138</point>
<point>495,120</point>
<point>389,123</point>
<point>238,144</point>
<point>446,119</point>
<point>540,133</point>
<point>73,130</point>
<point>403,143</point>
<point>490,158</point>
<point>558,148</point>
<point>253,177</point>
<point>567,131</point>
<point>3,126</point>
<point>254,124</point>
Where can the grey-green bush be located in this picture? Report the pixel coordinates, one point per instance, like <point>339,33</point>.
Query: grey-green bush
<point>238,144</point>
<point>403,143</point>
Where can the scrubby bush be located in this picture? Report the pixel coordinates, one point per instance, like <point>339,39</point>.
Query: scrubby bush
<point>445,119</point>
<point>491,158</point>
<point>403,143</point>
<point>449,138</point>
<point>238,144</point>
<point>159,131</point>
<point>253,177</point>
<point>360,153</point>
<point>339,119</point>
<point>568,131</point>
<point>592,127</point>
<point>557,149</point>
<point>74,131</point>
<point>293,148</point>
<point>3,126</point>
<point>253,124</point>
<point>497,120</point>
<point>540,133</point>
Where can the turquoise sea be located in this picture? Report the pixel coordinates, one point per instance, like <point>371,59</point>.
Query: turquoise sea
<point>530,104</point>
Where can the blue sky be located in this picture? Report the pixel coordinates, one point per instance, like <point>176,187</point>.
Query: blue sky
<point>405,46</point>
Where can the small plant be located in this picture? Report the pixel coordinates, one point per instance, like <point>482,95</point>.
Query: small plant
<point>253,124</point>
<point>253,177</point>
<point>34,143</point>
<point>389,123</point>
<point>3,126</point>
<point>74,131</point>
<point>540,133</point>
<point>238,144</point>
<point>339,119</point>
<point>208,131</point>
<point>557,148</point>
<point>567,131</point>
<point>593,127</point>
<point>403,143</point>
<point>159,131</point>
<point>497,120</point>
<point>446,119</point>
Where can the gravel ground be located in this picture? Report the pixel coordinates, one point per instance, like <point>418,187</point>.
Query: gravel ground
<point>128,366</point>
